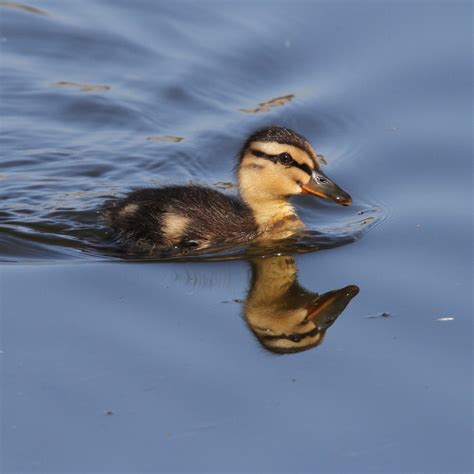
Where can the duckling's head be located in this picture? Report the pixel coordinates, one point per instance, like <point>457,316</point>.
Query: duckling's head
<point>276,162</point>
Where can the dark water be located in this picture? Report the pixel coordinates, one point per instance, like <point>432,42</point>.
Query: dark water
<point>126,366</point>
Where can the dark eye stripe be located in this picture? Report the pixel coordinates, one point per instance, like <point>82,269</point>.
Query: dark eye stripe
<point>303,167</point>
<point>261,154</point>
<point>274,159</point>
<point>295,337</point>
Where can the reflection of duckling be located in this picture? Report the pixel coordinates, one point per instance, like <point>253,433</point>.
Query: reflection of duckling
<point>283,315</point>
<point>275,163</point>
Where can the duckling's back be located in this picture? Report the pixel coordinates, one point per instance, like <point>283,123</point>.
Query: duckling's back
<point>179,218</point>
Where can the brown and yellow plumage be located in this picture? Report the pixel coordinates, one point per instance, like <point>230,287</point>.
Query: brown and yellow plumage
<point>275,163</point>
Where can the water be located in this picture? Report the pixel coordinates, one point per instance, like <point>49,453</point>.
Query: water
<point>115,364</point>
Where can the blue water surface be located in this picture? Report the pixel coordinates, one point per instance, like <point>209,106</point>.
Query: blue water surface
<point>111,365</point>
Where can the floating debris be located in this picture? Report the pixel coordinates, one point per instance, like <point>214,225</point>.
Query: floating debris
<point>365,211</point>
<point>24,8</point>
<point>380,315</point>
<point>270,104</point>
<point>321,159</point>
<point>445,318</point>
<point>109,413</point>
<point>224,185</point>
<point>164,138</point>
<point>238,301</point>
<point>82,87</point>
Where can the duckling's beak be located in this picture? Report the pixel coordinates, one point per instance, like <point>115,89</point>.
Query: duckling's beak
<point>320,185</point>
<point>326,308</point>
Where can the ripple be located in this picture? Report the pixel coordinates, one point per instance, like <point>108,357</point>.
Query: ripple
<point>326,237</point>
<point>23,8</point>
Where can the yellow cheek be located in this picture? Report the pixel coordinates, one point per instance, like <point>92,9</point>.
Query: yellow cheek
<point>274,180</point>
<point>284,185</point>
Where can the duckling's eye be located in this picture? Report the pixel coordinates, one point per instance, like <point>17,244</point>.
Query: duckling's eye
<point>285,159</point>
<point>295,337</point>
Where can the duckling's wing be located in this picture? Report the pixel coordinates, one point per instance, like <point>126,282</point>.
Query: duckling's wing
<point>180,216</point>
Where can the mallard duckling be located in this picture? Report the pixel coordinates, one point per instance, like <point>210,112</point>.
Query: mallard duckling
<point>274,164</point>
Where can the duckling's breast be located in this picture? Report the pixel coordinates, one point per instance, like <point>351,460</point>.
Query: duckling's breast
<point>282,228</point>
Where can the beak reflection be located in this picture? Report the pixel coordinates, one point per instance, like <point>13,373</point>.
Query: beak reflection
<point>284,316</point>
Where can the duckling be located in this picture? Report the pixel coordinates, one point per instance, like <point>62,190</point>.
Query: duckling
<point>274,164</point>
<point>284,316</point>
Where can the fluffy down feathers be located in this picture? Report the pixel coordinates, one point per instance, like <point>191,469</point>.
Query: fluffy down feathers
<point>181,217</point>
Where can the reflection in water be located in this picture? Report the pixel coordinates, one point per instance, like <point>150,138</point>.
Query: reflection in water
<point>283,315</point>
